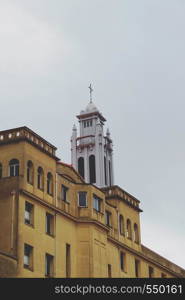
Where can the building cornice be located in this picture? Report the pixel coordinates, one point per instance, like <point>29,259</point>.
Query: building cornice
<point>125,201</point>
<point>24,134</point>
<point>88,115</point>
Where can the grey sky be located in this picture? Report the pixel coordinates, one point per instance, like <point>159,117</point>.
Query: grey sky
<point>133,52</point>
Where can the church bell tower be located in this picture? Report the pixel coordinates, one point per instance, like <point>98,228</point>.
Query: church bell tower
<point>91,151</point>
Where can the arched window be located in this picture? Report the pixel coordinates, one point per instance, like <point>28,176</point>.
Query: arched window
<point>1,170</point>
<point>121,225</point>
<point>129,229</point>
<point>50,183</point>
<point>110,174</point>
<point>105,170</point>
<point>40,178</point>
<point>136,233</point>
<point>14,167</point>
<point>81,166</point>
<point>30,173</point>
<point>92,169</point>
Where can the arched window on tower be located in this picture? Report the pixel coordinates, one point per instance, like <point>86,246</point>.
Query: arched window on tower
<point>129,229</point>
<point>81,166</point>
<point>110,174</point>
<point>1,170</point>
<point>14,167</point>
<point>40,178</point>
<point>50,184</point>
<point>105,170</point>
<point>30,172</point>
<point>92,169</point>
<point>121,225</point>
<point>136,234</point>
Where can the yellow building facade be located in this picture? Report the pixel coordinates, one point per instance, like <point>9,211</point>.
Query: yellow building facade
<point>54,224</point>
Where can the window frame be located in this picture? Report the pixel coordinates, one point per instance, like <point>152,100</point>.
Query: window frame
<point>68,260</point>
<point>30,172</point>
<point>49,217</point>
<point>28,248</point>
<point>109,270</point>
<point>136,234</point>
<point>97,203</point>
<point>123,261</point>
<point>150,272</point>
<point>40,178</point>
<point>50,183</point>
<point>121,225</point>
<point>108,216</point>
<point>137,267</point>
<point>49,265</point>
<point>86,203</point>
<point>129,229</point>
<point>14,168</point>
<point>65,189</point>
<point>31,214</point>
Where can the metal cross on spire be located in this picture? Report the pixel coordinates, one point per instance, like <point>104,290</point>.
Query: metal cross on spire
<point>91,90</point>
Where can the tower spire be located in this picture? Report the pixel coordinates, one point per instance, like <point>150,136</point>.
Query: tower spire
<point>90,90</point>
<point>92,151</point>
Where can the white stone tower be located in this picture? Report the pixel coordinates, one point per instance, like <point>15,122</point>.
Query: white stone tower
<point>92,152</point>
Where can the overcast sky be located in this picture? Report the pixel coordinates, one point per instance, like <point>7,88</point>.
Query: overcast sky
<point>133,52</point>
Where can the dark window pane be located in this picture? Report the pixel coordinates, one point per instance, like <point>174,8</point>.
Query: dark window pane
<point>107,218</point>
<point>48,265</point>
<point>122,261</point>
<point>81,166</point>
<point>105,170</point>
<point>92,169</point>
<point>82,199</point>
<point>68,261</point>
<point>64,192</point>
<point>49,224</point>
<point>110,177</point>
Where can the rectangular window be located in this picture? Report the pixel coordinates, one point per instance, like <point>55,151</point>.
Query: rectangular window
<point>82,199</point>
<point>49,224</point>
<point>137,268</point>
<point>68,261</point>
<point>108,218</point>
<point>64,193</point>
<point>28,213</point>
<point>28,256</point>
<point>96,203</point>
<point>150,272</point>
<point>123,261</point>
<point>109,271</point>
<point>49,265</point>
